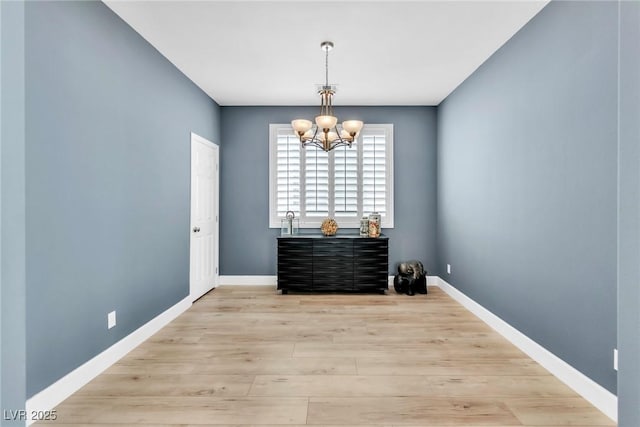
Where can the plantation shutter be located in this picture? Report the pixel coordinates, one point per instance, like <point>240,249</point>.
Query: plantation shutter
<point>346,181</point>
<point>288,174</point>
<point>316,182</point>
<point>374,173</point>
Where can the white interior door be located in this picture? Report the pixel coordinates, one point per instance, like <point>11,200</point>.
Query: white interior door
<point>203,273</point>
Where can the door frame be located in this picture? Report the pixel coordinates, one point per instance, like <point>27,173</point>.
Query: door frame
<point>197,139</point>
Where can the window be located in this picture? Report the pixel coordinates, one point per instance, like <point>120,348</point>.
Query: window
<point>345,183</point>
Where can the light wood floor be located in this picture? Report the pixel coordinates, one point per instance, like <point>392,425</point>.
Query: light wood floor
<point>248,356</point>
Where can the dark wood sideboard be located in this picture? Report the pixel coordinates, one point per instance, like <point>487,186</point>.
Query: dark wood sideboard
<point>337,264</point>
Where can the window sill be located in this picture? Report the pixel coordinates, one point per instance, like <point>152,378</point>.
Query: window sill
<point>341,226</point>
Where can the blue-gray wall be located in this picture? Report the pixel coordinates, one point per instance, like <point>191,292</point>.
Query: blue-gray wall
<point>248,245</point>
<point>527,184</point>
<point>526,187</point>
<point>629,218</point>
<point>12,207</point>
<point>108,178</point>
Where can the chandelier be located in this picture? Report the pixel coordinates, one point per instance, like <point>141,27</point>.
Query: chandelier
<point>325,134</point>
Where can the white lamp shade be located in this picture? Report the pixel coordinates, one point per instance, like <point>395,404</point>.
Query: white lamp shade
<point>332,136</point>
<point>345,135</point>
<point>326,122</point>
<point>308,134</point>
<point>351,126</point>
<point>301,125</point>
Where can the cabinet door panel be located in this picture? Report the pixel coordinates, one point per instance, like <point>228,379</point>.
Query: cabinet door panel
<point>331,273</point>
<point>371,273</point>
<point>295,264</point>
<point>371,264</point>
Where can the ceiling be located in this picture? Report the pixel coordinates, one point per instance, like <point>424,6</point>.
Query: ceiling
<point>268,52</point>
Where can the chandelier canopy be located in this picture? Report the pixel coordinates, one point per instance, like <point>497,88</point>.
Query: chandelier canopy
<point>326,134</point>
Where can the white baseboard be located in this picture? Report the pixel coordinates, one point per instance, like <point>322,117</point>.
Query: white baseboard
<point>53,395</point>
<point>593,392</point>
<point>273,281</point>
<point>248,280</point>
<point>431,281</point>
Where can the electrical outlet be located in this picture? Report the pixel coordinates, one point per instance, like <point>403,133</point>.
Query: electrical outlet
<point>615,359</point>
<point>448,268</point>
<point>111,319</point>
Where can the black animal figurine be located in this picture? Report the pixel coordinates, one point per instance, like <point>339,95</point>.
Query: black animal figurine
<point>411,278</point>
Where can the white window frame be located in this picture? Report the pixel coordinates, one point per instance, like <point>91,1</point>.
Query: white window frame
<point>343,222</point>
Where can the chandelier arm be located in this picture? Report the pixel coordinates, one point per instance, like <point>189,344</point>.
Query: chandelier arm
<point>336,145</point>
<point>326,146</point>
<point>313,137</point>
<point>342,141</point>
<point>314,143</point>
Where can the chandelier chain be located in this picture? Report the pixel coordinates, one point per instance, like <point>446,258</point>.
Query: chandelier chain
<point>326,67</point>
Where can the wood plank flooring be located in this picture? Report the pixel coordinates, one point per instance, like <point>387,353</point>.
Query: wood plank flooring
<point>248,356</point>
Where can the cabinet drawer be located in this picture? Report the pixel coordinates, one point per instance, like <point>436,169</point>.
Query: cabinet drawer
<point>295,247</point>
<point>333,247</point>
<point>370,247</point>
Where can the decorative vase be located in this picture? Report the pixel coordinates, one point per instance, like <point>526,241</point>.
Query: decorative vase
<point>374,224</point>
<point>329,227</point>
<point>364,227</point>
